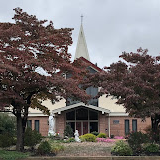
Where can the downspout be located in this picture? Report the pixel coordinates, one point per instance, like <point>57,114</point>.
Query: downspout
<point>109,132</point>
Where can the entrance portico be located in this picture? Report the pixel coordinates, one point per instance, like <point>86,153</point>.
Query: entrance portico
<point>84,118</point>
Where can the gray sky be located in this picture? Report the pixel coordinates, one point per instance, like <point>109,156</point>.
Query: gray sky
<point>110,26</point>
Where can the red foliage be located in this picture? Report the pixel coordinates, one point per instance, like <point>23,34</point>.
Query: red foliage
<point>136,84</point>
<point>25,45</point>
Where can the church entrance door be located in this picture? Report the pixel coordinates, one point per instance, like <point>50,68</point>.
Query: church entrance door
<point>85,127</point>
<point>82,127</point>
<point>78,127</point>
<point>82,119</point>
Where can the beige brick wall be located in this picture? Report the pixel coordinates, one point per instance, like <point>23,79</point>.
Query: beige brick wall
<point>103,123</point>
<point>115,129</point>
<point>43,124</point>
<point>60,123</point>
<point>119,129</point>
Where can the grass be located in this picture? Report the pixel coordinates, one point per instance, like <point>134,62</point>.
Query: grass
<point>12,155</point>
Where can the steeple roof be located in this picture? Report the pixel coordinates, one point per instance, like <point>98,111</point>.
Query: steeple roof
<point>81,50</point>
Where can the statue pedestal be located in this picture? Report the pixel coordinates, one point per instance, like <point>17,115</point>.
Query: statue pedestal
<point>51,133</point>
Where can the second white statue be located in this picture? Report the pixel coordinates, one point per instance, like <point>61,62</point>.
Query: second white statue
<point>77,136</point>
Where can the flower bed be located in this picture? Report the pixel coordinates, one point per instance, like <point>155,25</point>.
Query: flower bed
<point>104,140</point>
<point>119,137</point>
<point>109,139</point>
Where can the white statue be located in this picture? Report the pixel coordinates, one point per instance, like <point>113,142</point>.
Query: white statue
<point>77,136</point>
<point>51,131</point>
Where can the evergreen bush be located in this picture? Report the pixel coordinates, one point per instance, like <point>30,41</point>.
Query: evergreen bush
<point>102,135</point>
<point>112,136</point>
<point>7,130</point>
<point>88,137</point>
<point>55,148</point>
<point>6,140</point>
<point>135,141</point>
<point>95,133</point>
<point>44,148</point>
<point>70,140</point>
<point>151,148</point>
<point>32,137</point>
<point>68,131</point>
<point>121,149</point>
<point>7,124</point>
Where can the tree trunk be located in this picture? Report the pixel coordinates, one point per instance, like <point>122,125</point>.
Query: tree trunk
<point>155,130</point>
<point>20,133</point>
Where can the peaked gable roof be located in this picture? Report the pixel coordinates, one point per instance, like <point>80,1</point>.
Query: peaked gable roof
<point>81,49</point>
<point>95,67</point>
<point>59,110</point>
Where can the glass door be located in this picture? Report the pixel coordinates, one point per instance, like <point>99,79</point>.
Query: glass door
<point>78,127</point>
<point>85,127</point>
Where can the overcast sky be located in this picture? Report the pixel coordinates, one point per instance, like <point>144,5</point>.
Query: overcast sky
<point>110,26</point>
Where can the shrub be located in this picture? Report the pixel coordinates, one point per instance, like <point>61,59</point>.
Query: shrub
<point>7,124</point>
<point>88,137</point>
<point>70,140</point>
<point>7,130</point>
<point>95,133</point>
<point>6,140</point>
<point>55,137</point>
<point>68,131</point>
<point>112,136</point>
<point>82,139</point>
<point>136,139</point>
<point>102,135</point>
<point>32,137</point>
<point>44,148</point>
<point>151,148</point>
<point>121,149</point>
<point>153,136</point>
<point>55,148</point>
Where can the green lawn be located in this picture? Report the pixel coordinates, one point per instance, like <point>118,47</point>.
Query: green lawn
<point>12,155</point>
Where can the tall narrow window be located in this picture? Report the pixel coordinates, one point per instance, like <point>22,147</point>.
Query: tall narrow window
<point>126,126</point>
<point>134,125</point>
<point>29,124</point>
<point>37,125</point>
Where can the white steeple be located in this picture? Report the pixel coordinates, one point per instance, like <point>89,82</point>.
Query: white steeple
<point>81,49</point>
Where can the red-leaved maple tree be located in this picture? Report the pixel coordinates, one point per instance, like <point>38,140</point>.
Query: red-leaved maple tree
<point>27,45</point>
<point>135,83</point>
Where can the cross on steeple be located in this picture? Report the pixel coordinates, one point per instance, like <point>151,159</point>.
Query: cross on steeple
<point>81,19</point>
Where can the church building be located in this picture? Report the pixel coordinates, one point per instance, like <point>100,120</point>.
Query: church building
<point>101,115</point>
